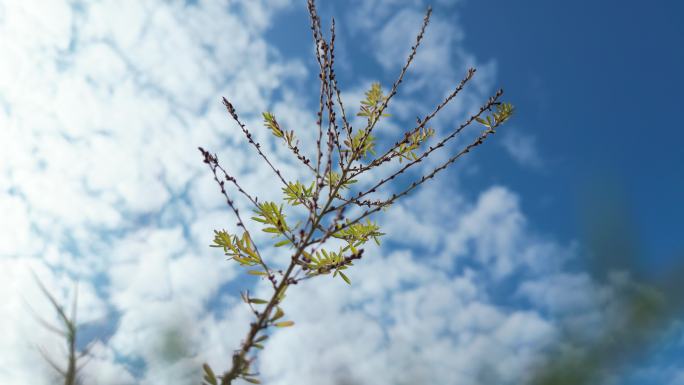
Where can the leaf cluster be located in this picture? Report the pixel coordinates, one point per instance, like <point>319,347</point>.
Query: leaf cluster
<point>271,123</point>
<point>406,149</point>
<point>333,179</point>
<point>501,113</point>
<point>362,143</point>
<point>271,215</point>
<point>324,262</point>
<point>357,234</point>
<point>296,193</point>
<point>240,249</point>
<point>371,107</point>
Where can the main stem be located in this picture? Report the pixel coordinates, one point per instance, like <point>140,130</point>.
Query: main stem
<point>262,320</point>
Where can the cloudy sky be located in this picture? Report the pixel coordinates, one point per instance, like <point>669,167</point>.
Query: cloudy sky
<point>521,252</point>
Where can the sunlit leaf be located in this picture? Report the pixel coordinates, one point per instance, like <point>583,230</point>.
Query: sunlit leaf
<point>209,375</point>
<point>282,243</point>
<point>346,279</point>
<point>279,313</point>
<point>257,301</point>
<point>284,324</point>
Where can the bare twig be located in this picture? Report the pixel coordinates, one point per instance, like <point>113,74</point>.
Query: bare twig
<point>70,373</point>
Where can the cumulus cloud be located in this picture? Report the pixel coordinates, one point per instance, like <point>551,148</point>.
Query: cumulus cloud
<point>403,322</point>
<point>102,106</point>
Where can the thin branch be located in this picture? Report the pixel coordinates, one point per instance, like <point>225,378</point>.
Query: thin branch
<point>287,137</point>
<point>321,48</point>
<point>395,86</point>
<point>46,324</point>
<point>70,374</point>
<point>57,306</point>
<point>49,360</point>
<point>212,162</point>
<point>391,152</point>
<point>333,81</point>
<point>233,114</point>
<point>333,129</point>
<point>487,106</point>
<point>478,141</point>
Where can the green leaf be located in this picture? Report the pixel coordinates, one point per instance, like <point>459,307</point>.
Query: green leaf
<point>284,324</point>
<point>209,375</point>
<point>370,107</point>
<point>261,338</point>
<point>252,380</point>
<point>257,301</point>
<point>258,346</point>
<point>282,243</point>
<point>296,193</point>
<point>502,112</point>
<point>256,272</point>
<point>361,143</point>
<point>271,123</point>
<point>279,313</point>
<point>271,214</point>
<point>346,279</point>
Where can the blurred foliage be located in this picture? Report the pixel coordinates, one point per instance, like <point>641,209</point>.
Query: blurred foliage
<point>647,305</point>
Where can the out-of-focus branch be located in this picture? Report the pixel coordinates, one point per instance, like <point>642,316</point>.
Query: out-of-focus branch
<point>68,331</point>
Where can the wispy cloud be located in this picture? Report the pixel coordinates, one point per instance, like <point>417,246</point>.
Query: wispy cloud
<point>522,147</point>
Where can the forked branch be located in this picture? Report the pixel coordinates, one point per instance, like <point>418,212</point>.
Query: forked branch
<point>309,255</point>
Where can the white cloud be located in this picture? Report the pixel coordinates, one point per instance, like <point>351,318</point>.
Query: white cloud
<point>25,307</point>
<point>102,107</point>
<point>522,148</point>
<point>419,325</point>
<point>387,33</point>
<point>491,232</point>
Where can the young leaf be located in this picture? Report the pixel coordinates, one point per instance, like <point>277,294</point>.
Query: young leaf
<point>258,301</point>
<point>346,279</point>
<point>282,243</point>
<point>209,375</point>
<point>284,324</point>
<point>370,107</point>
<point>279,313</point>
<point>271,123</point>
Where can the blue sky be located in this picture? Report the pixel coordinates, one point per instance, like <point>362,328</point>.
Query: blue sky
<point>595,84</point>
<point>481,273</point>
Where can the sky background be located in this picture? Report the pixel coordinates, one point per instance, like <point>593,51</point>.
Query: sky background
<point>481,273</point>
